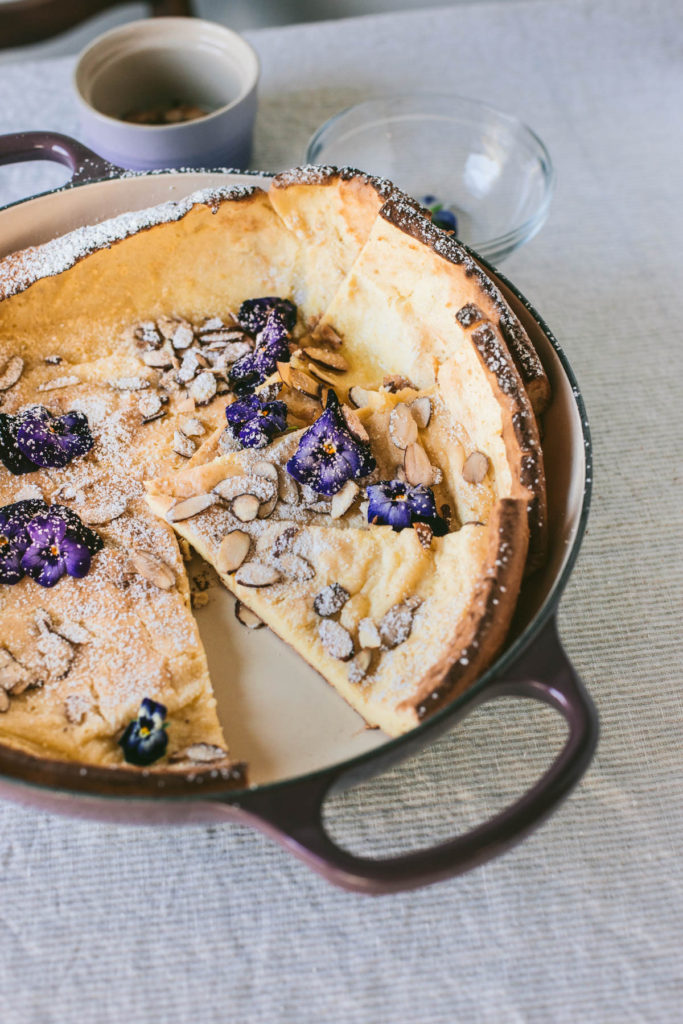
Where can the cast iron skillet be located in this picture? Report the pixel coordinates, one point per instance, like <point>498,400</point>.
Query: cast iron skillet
<point>533,665</point>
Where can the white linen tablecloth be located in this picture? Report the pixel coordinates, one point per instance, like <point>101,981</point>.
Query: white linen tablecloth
<point>581,923</point>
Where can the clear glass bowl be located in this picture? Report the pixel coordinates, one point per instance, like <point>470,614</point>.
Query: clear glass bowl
<point>486,166</point>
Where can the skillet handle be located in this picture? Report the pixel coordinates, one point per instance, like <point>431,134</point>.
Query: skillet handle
<point>21,147</point>
<point>292,814</point>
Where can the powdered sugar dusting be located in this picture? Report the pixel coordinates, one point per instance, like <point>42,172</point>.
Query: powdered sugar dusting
<point>22,269</point>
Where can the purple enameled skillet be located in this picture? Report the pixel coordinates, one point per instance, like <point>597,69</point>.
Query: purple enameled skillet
<point>289,807</point>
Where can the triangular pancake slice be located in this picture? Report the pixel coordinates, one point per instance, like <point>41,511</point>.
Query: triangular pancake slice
<point>406,309</point>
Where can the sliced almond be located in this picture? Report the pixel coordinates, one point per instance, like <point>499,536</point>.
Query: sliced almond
<point>76,707</point>
<point>150,406</point>
<point>326,332</point>
<point>295,567</point>
<point>288,488</point>
<point>106,512</point>
<point>344,499</point>
<point>330,600</point>
<point>424,534</point>
<point>421,408</point>
<point>203,388</point>
<point>182,337</point>
<point>153,569</point>
<point>354,423</point>
<point>304,382</point>
<point>302,407</point>
<point>285,371</point>
<point>475,468</point>
<point>11,372</point>
<point>323,375</point>
<point>235,350</point>
<point>188,507</point>
<point>192,428</point>
<point>402,426</point>
<point>247,617</point>
<point>396,625</point>
<point>14,677</point>
<point>200,753</point>
<point>394,382</point>
<point>336,640</point>
<point>265,469</point>
<point>57,654</point>
<point>261,487</point>
<point>73,632</point>
<point>417,466</point>
<point>256,574</point>
<point>167,326</point>
<point>328,358</point>
<point>183,445</point>
<point>233,549</point>
<point>359,397</point>
<point>245,507</point>
<point>58,382</point>
<point>359,665</point>
<point>368,634</point>
<point>159,358</point>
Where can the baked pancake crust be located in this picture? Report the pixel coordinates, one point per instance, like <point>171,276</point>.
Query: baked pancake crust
<point>380,296</point>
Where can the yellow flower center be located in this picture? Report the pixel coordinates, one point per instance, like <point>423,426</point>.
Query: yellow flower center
<point>54,550</point>
<point>144,731</point>
<point>329,448</point>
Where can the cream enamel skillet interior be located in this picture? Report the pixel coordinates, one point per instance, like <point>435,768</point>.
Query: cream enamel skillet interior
<point>298,737</point>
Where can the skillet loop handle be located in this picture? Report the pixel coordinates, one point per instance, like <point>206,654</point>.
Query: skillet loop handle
<point>293,815</point>
<point>21,147</point>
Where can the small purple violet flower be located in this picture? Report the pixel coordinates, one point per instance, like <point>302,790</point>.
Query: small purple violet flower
<point>254,422</point>
<point>253,313</point>
<point>14,539</point>
<point>52,552</point>
<point>35,439</point>
<point>329,454</point>
<point>145,738</point>
<point>398,504</point>
<point>53,441</point>
<point>272,347</point>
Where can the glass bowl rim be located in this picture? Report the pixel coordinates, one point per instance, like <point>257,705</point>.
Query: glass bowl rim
<point>513,237</point>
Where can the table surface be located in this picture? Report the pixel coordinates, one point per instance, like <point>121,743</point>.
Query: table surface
<point>582,922</point>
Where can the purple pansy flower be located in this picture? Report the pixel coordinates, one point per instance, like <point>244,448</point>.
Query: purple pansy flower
<point>53,441</point>
<point>254,422</point>
<point>145,739</point>
<point>271,348</point>
<point>329,454</point>
<point>11,456</point>
<point>253,313</point>
<point>52,552</point>
<point>37,439</point>
<point>14,539</point>
<point>398,504</point>
<point>44,541</point>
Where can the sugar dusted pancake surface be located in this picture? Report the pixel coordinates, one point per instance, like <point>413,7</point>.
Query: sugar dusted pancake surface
<point>423,614</point>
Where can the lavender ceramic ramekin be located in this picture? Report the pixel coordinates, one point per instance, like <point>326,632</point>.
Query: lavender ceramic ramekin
<point>161,60</point>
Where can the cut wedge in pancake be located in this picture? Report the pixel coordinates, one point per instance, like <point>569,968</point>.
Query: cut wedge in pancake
<point>330,211</point>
